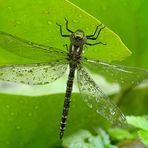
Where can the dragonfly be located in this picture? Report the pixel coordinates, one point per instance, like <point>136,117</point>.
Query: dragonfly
<point>59,61</point>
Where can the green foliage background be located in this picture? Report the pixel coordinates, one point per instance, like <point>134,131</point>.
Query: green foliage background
<point>126,18</point>
<point>34,121</point>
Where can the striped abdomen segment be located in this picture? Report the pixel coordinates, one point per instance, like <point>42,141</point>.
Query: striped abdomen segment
<point>67,99</point>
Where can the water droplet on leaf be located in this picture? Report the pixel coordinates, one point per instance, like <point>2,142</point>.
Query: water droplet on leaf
<point>7,106</point>
<point>12,113</point>
<point>104,7</point>
<point>49,22</point>
<point>18,22</point>
<point>9,8</point>
<point>29,114</point>
<point>80,16</point>
<point>18,127</point>
<point>76,21</point>
<point>36,107</point>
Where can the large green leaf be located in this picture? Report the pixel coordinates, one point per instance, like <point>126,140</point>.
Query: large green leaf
<point>33,122</point>
<point>36,21</point>
<point>143,135</point>
<point>142,124</point>
<point>126,18</point>
<point>138,122</point>
<point>84,138</point>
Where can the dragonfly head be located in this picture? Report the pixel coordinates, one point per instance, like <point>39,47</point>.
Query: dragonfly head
<point>78,38</point>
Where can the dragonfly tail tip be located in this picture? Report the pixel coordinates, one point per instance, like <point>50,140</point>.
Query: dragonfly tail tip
<point>61,135</point>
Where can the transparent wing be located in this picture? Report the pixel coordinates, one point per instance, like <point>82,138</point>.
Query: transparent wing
<point>96,99</point>
<point>29,49</point>
<point>127,77</point>
<point>33,74</point>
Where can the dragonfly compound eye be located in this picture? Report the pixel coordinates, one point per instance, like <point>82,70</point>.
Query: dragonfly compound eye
<point>79,34</point>
<point>78,38</point>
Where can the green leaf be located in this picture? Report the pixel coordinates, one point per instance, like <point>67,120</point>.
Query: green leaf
<point>126,18</point>
<point>36,21</point>
<point>84,138</point>
<point>34,122</point>
<point>138,121</point>
<point>143,136</point>
<point>142,123</point>
<point>120,134</point>
<point>78,140</point>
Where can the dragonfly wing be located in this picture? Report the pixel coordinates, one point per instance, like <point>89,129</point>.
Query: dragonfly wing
<point>127,77</point>
<point>96,99</point>
<point>29,49</point>
<point>33,74</point>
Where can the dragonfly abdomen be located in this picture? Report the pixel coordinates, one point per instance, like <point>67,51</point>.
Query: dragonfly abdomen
<point>67,100</point>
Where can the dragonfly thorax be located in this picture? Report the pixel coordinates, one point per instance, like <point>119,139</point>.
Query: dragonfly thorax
<point>78,38</point>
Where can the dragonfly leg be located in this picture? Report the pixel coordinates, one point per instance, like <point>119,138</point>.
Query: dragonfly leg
<point>67,26</point>
<point>63,35</point>
<point>88,36</point>
<point>95,43</point>
<point>94,38</point>
<point>66,46</point>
